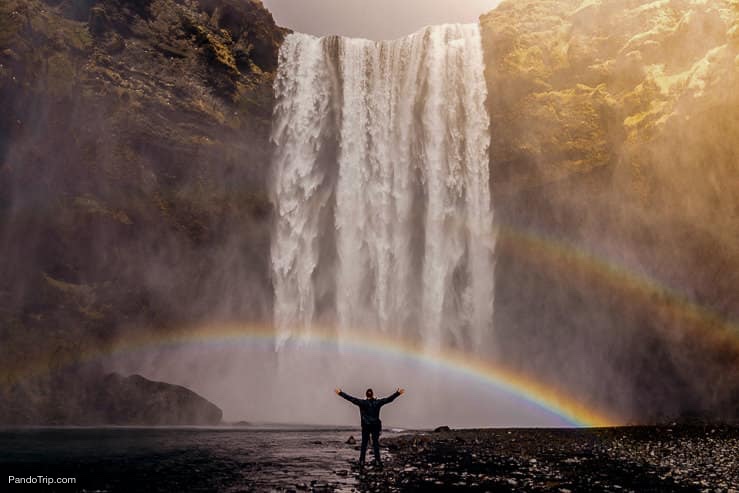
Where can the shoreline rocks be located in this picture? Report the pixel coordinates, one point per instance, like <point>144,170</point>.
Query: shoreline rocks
<point>560,460</point>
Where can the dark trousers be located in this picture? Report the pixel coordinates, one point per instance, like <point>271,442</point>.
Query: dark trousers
<point>374,432</point>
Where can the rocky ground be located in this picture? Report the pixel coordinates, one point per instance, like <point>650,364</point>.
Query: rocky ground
<point>233,459</point>
<point>700,458</point>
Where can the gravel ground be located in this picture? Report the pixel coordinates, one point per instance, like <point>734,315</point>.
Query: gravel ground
<point>704,459</point>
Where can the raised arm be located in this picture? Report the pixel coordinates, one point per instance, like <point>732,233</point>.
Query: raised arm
<point>391,398</point>
<point>346,396</point>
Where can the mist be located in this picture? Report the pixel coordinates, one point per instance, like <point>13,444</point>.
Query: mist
<point>253,383</point>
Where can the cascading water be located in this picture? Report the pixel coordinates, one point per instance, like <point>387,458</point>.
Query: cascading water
<point>381,187</point>
<point>383,224</point>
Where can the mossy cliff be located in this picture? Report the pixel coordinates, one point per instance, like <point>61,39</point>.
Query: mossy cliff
<point>134,146</point>
<point>615,173</point>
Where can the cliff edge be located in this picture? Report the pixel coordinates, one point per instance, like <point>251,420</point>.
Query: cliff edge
<point>614,170</point>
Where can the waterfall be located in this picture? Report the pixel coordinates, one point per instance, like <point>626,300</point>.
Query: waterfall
<point>381,187</point>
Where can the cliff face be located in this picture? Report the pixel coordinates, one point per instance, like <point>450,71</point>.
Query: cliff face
<point>134,146</point>
<point>133,159</point>
<point>614,161</point>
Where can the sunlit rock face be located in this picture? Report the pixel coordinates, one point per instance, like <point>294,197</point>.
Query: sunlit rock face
<point>614,169</point>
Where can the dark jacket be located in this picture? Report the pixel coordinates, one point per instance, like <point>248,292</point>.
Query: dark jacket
<point>369,409</point>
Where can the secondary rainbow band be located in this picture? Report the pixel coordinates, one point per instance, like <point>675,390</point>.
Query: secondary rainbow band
<point>700,322</point>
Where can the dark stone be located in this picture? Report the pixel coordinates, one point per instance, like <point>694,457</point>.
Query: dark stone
<point>441,429</point>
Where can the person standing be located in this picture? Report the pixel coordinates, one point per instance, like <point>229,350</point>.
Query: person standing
<point>369,411</point>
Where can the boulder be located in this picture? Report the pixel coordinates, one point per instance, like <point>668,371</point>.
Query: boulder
<point>135,400</point>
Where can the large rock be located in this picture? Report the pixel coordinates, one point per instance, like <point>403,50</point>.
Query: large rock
<point>135,400</point>
<point>65,399</point>
<point>614,170</point>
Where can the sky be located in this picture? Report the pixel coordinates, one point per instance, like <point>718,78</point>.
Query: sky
<point>373,19</point>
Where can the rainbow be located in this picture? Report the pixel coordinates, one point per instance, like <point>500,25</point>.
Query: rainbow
<point>545,397</point>
<point>700,323</point>
<point>697,321</point>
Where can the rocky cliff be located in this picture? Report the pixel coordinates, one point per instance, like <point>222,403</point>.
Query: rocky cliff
<point>133,157</point>
<point>614,165</point>
<point>134,152</point>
